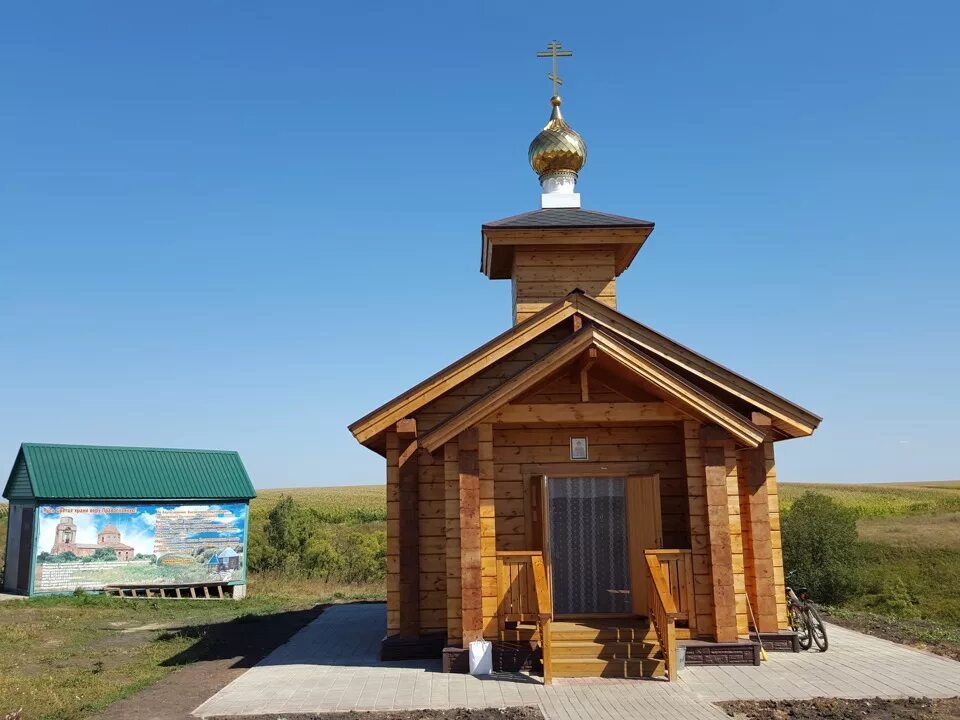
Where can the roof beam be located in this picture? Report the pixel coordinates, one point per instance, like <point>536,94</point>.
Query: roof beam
<point>586,413</point>
<point>769,402</point>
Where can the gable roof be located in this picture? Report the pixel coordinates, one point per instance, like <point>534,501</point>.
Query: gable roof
<point>463,369</point>
<point>693,400</point>
<point>567,218</point>
<point>792,419</point>
<point>88,472</point>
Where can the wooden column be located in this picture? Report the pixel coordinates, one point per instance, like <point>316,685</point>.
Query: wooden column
<point>757,545</point>
<point>776,548</point>
<point>451,484</point>
<point>471,571</point>
<point>713,447</point>
<point>699,529</point>
<point>393,533</point>
<point>736,536</point>
<point>409,545</point>
<point>488,532</point>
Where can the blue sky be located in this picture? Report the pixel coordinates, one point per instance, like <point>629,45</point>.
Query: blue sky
<point>243,225</point>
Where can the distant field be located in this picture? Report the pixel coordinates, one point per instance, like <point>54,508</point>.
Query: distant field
<point>361,503</point>
<point>882,500</point>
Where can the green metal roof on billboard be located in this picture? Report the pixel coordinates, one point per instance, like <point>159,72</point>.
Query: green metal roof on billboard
<point>88,472</point>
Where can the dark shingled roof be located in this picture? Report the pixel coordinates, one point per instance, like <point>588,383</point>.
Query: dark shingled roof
<point>567,218</point>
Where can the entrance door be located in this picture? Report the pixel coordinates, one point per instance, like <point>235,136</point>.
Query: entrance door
<point>645,533</point>
<point>588,546</point>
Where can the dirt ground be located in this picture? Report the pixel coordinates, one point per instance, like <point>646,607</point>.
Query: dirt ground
<point>837,709</point>
<point>221,654</point>
<point>515,713</point>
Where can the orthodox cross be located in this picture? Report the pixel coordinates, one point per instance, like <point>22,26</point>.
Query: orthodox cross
<point>554,51</point>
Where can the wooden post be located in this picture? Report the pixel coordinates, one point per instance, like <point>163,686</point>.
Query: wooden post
<point>776,547</point>
<point>393,532</point>
<point>757,545</point>
<point>409,527</point>
<point>471,571</point>
<point>699,529</point>
<point>488,532</point>
<point>713,446</point>
<point>451,483</point>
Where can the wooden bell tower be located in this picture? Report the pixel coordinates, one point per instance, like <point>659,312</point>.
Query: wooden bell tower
<point>549,253</point>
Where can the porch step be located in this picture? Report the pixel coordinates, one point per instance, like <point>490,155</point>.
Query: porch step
<point>632,631</point>
<point>625,648</point>
<point>595,667</point>
<point>583,649</point>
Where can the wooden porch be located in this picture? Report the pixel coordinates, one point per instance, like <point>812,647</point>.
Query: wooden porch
<point>624,646</point>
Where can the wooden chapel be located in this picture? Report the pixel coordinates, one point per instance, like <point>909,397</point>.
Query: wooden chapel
<point>581,490</point>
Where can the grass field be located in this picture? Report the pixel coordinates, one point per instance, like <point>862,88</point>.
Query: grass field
<point>883,500</point>
<point>910,539</point>
<point>68,657</point>
<point>361,503</point>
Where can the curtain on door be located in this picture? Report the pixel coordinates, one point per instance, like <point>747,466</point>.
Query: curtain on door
<point>588,545</point>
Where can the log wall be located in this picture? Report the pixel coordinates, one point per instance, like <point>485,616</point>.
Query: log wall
<point>520,453</point>
<point>544,275</point>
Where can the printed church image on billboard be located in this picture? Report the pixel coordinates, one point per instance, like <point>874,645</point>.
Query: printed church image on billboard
<point>92,547</point>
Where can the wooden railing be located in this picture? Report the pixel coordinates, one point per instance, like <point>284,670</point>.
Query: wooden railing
<point>524,596</point>
<point>663,613</point>
<point>677,569</point>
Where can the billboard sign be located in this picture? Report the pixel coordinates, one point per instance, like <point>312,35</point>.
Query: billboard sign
<point>93,546</point>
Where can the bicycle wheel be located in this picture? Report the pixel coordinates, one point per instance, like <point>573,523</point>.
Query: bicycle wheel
<point>818,630</point>
<point>799,624</point>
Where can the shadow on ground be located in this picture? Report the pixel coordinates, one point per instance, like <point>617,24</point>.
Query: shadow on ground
<point>248,638</point>
<point>221,653</point>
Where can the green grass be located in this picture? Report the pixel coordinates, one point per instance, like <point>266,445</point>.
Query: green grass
<point>69,657</point>
<point>910,539</point>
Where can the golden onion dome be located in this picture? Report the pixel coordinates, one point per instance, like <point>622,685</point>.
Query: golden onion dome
<point>558,149</point>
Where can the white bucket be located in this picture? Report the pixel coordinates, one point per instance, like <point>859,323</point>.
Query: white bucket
<point>481,657</point>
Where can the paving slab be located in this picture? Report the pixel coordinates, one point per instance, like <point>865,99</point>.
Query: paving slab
<point>332,665</point>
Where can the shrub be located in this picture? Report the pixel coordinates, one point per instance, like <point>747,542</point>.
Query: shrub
<point>820,547</point>
<point>297,541</point>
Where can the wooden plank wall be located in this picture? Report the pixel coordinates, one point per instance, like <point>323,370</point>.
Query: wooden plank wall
<point>520,452</point>
<point>543,275</point>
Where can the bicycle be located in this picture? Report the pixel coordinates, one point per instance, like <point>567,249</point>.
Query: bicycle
<point>805,619</point>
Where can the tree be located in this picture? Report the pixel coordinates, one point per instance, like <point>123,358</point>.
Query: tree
<point>821,548</point>
<point>104,554</point>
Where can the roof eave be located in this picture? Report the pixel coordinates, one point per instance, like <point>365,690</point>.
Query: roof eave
<point>498,244</point>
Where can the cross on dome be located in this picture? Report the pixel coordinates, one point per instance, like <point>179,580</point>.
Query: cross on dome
<point>558,152</point>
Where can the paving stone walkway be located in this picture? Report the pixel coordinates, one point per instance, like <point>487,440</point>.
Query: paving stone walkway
<point>332,665</point>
